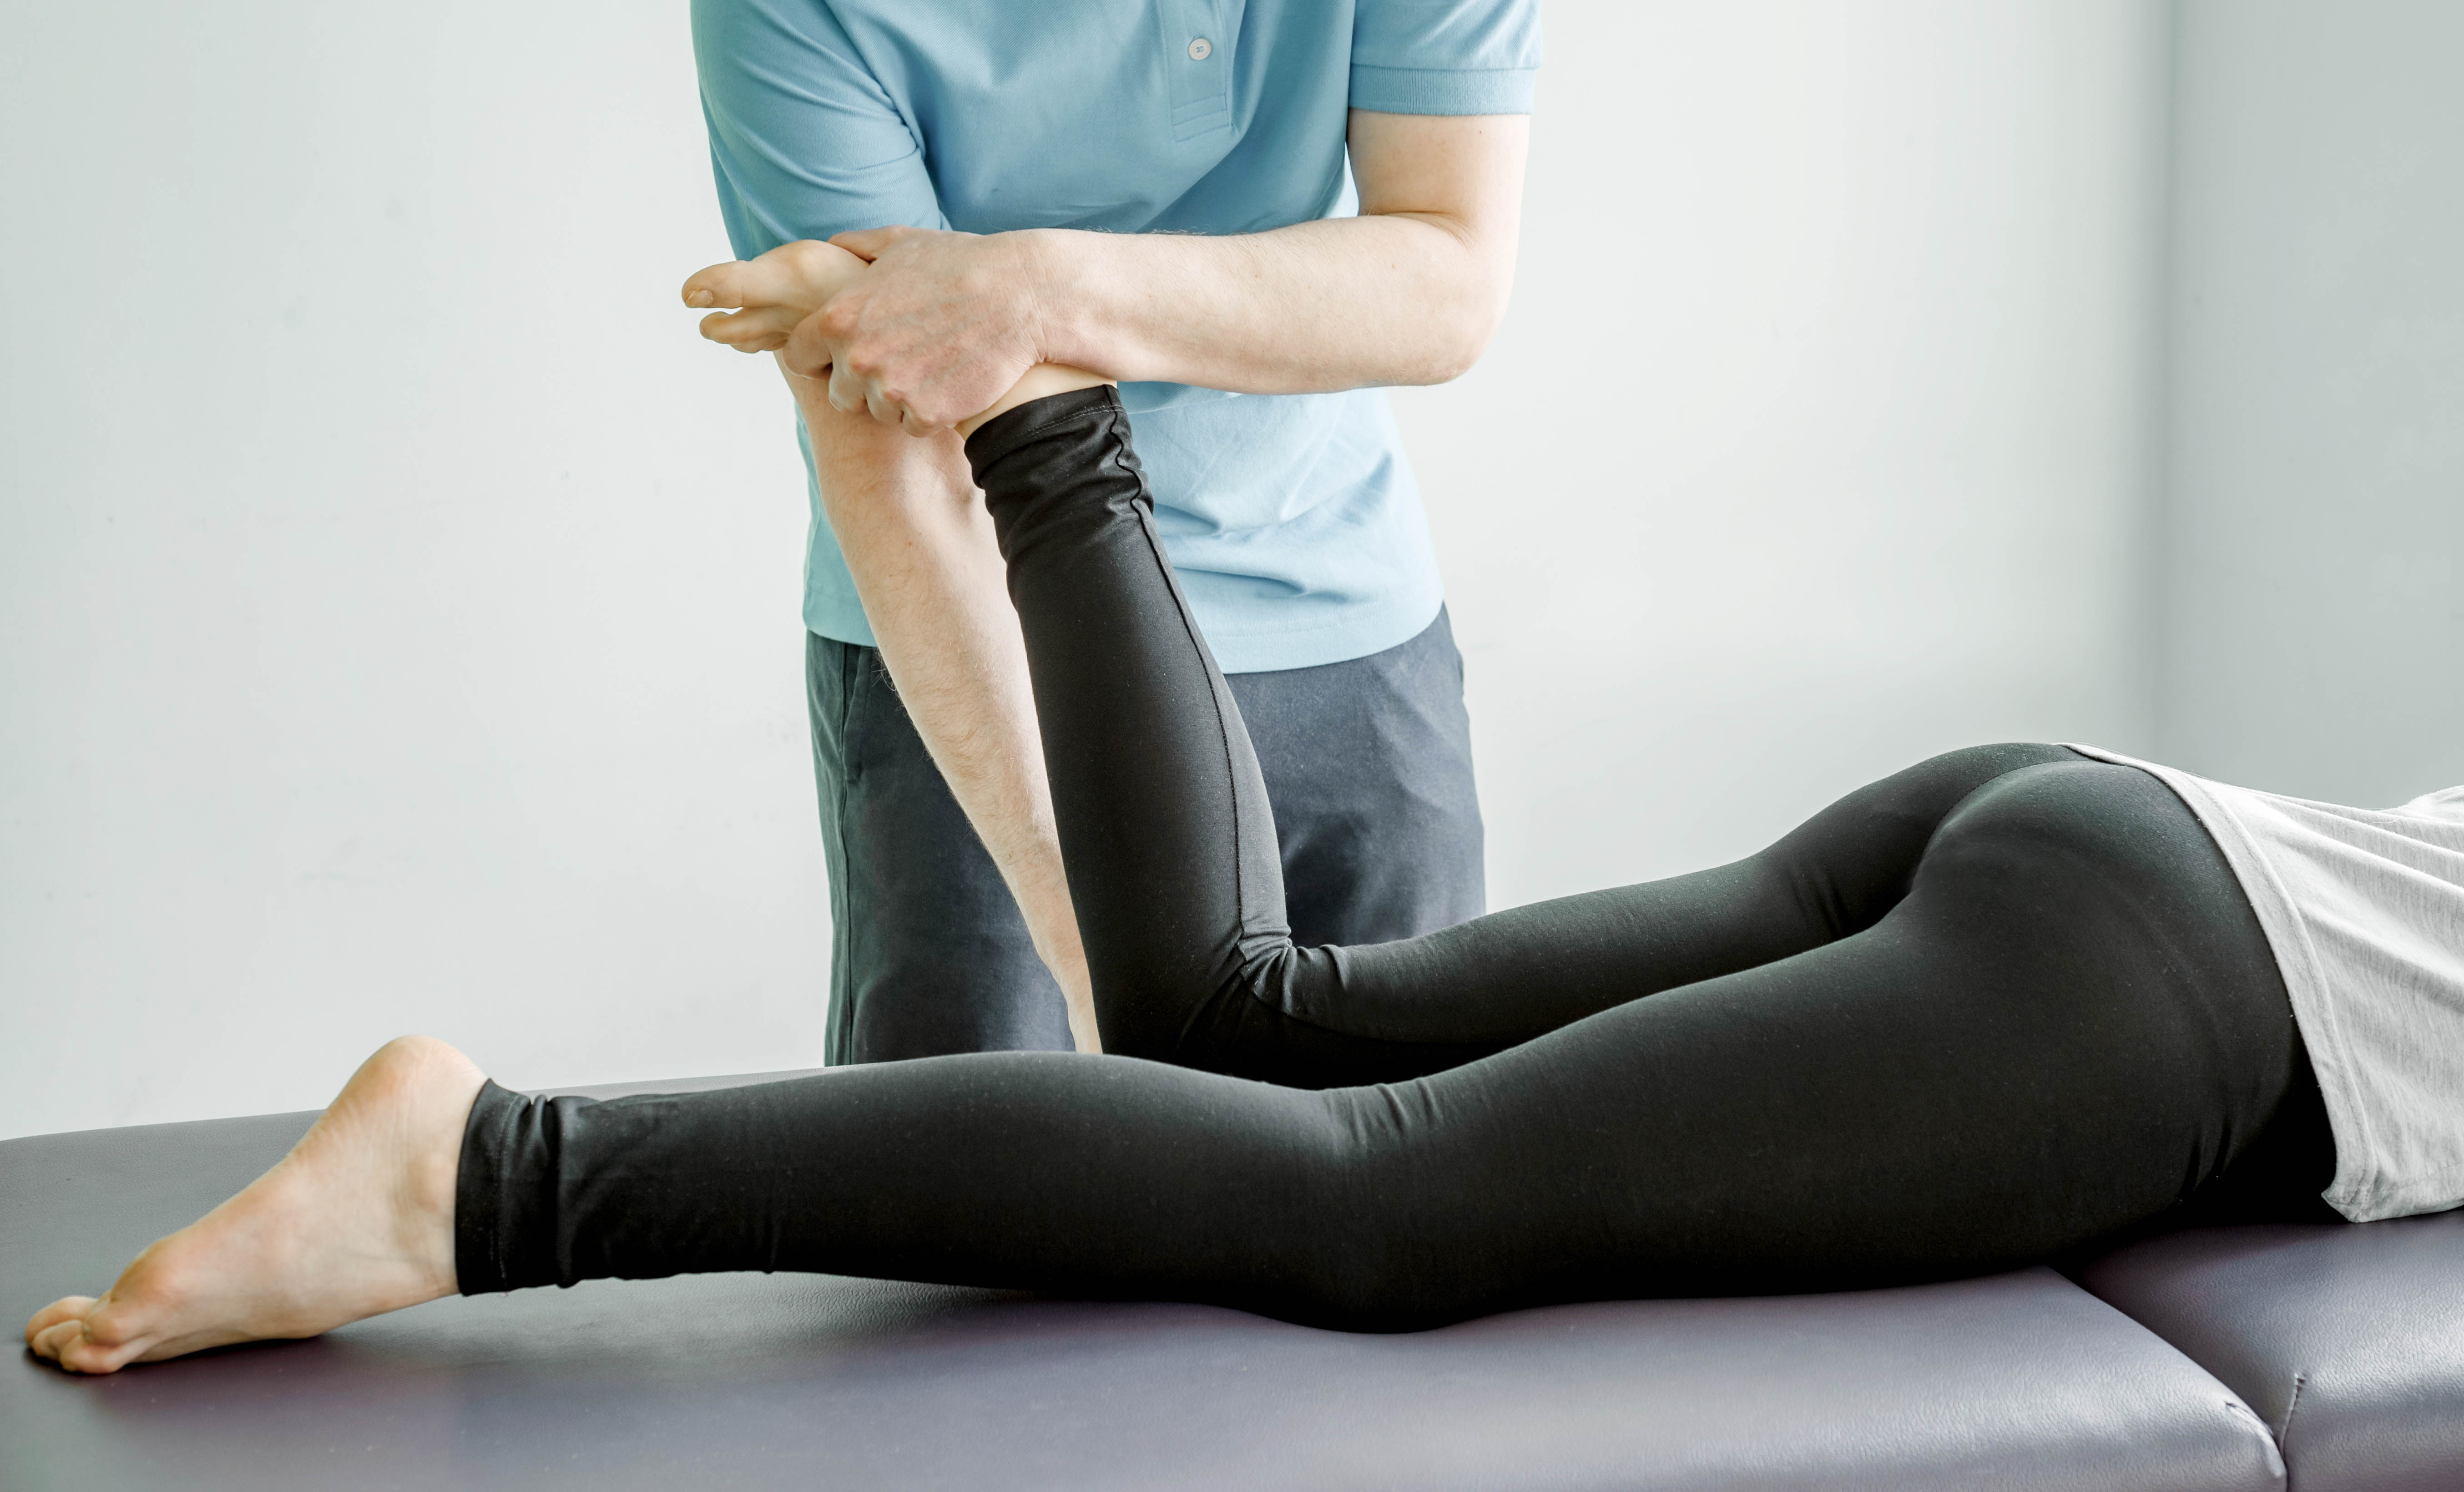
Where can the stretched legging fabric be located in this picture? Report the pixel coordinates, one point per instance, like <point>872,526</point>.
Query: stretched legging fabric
<point>2002,1004</point>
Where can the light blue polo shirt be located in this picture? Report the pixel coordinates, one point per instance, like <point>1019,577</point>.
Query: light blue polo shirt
<point>1293,519</point>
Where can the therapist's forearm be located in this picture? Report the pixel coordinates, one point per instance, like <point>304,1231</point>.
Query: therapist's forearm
<point>920,548</point>
<point>1410,292</point>
<point>1344,304</point>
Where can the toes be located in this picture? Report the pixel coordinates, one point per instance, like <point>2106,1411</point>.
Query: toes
<point>78,1353</point>
<point>88,1340</point>
<point>63,1342</point>
<point>67,1307</point>
<point>63,1332</point>
<point>761,330</point>
<point>715,286</point>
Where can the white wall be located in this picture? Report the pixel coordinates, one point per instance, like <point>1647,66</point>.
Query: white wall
<point>2315,557</point>
<point>398,608</point>
<point>397,601</point>
<point>1818,440</point>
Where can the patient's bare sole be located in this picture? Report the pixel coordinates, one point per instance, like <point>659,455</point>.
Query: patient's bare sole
<point>358,1220</point>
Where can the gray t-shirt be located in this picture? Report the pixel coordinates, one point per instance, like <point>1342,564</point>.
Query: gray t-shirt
<point>2365,911</point>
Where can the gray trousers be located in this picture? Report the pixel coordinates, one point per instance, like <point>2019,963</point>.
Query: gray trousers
<point>1368,763</point>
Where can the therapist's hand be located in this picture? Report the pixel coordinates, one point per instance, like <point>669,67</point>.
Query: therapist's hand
<point>942,326</point>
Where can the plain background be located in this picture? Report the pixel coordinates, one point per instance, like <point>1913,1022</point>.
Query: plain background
<point>397,605</point>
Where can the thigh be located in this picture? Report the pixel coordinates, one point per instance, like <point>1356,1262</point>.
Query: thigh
<point>2070,1026</point>
<point>1330,1017</point>
<point>1367,767</point>
<point>929,953</point>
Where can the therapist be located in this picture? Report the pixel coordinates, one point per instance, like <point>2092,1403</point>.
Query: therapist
<point>1155,190</point>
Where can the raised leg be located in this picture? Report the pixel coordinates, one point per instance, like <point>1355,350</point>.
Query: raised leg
<point>1170,840</point>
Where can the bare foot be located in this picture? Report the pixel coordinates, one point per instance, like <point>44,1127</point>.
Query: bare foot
<point>357,1221</point>
<point>772,292</point>
<point>779,290</point>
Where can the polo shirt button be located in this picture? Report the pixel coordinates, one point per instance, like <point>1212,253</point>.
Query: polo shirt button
<point>1201,49</point>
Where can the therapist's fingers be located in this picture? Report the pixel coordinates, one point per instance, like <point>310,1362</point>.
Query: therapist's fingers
<point>886,409</point>
<point>847,390</point>
<point>808,350</point>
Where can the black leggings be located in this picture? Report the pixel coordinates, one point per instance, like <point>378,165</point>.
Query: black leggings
<point>2003,1004</point>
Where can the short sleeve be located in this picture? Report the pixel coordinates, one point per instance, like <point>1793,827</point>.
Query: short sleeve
<point>804,140</point>
<point>1444,56</point>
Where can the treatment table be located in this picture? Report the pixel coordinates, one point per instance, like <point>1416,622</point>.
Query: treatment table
<point>2318,1358</point>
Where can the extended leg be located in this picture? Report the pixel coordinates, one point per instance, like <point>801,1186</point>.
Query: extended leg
<point>1973,1082</point>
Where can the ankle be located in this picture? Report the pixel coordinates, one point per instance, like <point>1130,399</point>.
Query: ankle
<point>1041,381</point>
